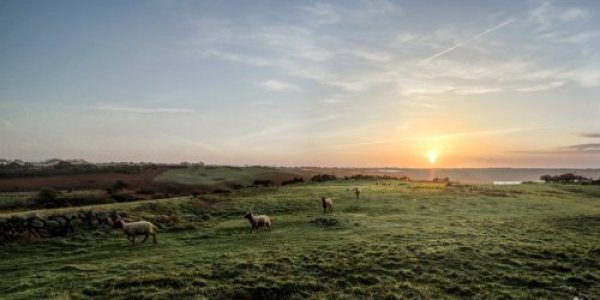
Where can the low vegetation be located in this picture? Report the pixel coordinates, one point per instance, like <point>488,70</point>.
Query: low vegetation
<point>399,240</point>
<point>570,178</point>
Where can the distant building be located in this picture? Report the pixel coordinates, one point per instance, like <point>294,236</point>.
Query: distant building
<point>507,182</point>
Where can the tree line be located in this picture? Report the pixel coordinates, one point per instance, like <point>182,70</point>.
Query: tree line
<point>570,178</point>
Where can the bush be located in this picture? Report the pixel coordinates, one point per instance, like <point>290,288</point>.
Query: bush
<point>293,181</point>
<point>323,177</point>
<point>49,197</point>
<point>372,177</point>
<point>263,183</point>
<point>124,196</point>
<point>568,178</point>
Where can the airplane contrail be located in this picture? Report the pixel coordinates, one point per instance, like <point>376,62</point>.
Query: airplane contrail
<point>460,44</point>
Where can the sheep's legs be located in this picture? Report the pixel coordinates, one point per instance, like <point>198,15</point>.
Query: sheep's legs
<point>133,240</point>
<point>147,235</point>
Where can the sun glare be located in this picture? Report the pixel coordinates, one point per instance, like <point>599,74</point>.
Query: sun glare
<point>432,156</point>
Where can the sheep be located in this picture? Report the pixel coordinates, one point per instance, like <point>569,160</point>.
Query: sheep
<point>258,221</point>
<point>327,205</point>
<point>137,228</point>
<point>356,192</point>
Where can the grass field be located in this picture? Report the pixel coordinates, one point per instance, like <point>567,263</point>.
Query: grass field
<point>18,201</point>
<point>223,176</point>
<point>403,240</point>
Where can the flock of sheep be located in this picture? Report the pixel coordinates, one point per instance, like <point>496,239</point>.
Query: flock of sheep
<point>132,229</point>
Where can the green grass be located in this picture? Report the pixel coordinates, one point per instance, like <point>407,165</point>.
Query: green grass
<point>398,241</point>
<point>219,176</point>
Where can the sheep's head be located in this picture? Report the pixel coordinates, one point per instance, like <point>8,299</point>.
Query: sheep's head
<point>249,215</point>
<point>118,223</point>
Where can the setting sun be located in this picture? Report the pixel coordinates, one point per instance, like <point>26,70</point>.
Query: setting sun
<point>432,156</point>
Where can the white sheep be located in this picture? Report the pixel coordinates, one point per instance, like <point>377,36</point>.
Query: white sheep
<point>258,221</point>
<point>327,204</point>
<point>138,228</point>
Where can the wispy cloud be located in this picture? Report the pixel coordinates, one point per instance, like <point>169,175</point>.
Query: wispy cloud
<point>593,135</point>
<point>7,123</point>
<point>280,130</point>
<point>141,110</point>
<point>277,85</point>
<point>548,16</point>
<point>422,103</point>
<point>392,59</point>
<point>541,87</point>
<point>584,147</point>
<point>322,13</point>
<point>571,38</point>
<point>457,135</point>
<point>475,37</point>
<point>571,149</point>
<point>337,98</point>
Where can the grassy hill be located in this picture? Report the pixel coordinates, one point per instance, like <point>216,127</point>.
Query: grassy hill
<point>402,240</point>
<point>224,176</point>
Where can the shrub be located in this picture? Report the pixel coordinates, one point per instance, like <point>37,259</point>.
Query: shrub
<point>293,181</point>
<point>323,177</point>
<point>263,183</point>
<point>567,178</point>
<point>49,197</point>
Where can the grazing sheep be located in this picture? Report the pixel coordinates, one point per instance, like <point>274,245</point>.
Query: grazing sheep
<point>356,192</point>
<point>258,221</point>
<point>137,228</point>
<point>327,205</point>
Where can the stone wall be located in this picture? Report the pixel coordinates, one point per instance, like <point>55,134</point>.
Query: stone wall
<point>34,226</point>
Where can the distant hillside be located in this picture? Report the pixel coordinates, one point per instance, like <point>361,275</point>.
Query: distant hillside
<point>227,176</point>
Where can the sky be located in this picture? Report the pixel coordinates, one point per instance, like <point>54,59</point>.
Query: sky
<point>302,83</point>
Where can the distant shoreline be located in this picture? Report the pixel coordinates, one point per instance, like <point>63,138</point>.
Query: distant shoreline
<point>486,175</point>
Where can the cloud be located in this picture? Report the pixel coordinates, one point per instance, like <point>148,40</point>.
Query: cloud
<point>547,16</point>
<point>571,149</point>
<point>456,135</point>
<point>280,130</point>
<point>262,102</point>
<point>541,87</point>
<point>141,110</point>
<point>571,38</point>
<point>277,86</point>
<point>7,123</point>
<point>593,147</point>
<point>322,13</point>
<point>594,135</point>
<point>375,9</point>
<point>350,61</point>
<point>421,103</point>
<point>337,98</point>
<point>423,88</point>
